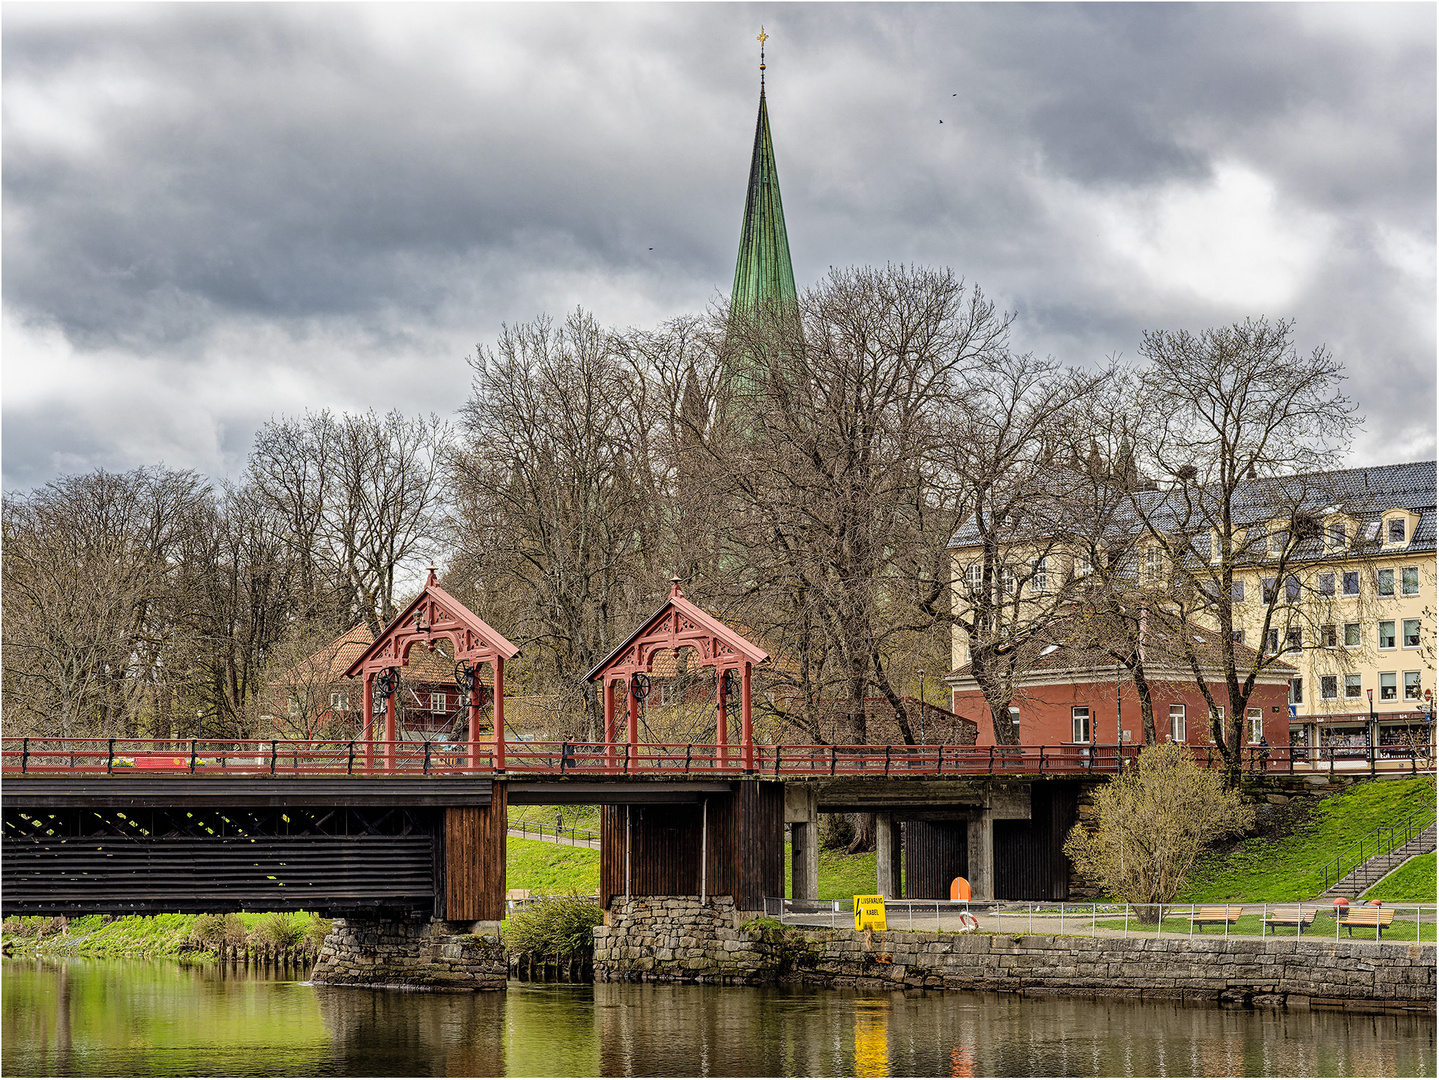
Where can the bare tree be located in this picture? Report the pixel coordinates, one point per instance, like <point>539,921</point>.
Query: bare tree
<point>359,499</point>
<point>555,496</point>
<point>1020,499</point>
<point>1243,424</point>
<point>830,471</point>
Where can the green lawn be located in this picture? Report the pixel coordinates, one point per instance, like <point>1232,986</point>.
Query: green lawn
<point>548,869</point>
<point>1291,868</point>
<point>1413,881</point>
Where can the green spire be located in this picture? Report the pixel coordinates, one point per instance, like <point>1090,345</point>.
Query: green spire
<point>763,271</point>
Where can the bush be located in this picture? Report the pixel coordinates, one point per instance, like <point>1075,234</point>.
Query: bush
<point>555,924</point>
<point>318,931</point>
<point>284,928</point>
<point>212,930</point>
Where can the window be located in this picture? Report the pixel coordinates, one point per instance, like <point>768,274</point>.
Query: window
<point>1083,565</point>
<point>1338,534</point>
<point>293,706</point>
<point>1326,584</point>
<point>1080,714</point>
<point>1351,635</point>
<point>1236,592</point>
<point>339,702</point>
<point>1386,582</point>
<point>1386,633</point>
<point>1256,725</point>
<point>1039,578</point>
<point>1411,686</point>
<point>1176,723</point>
<point>1388,687</point>
<point>1351,583</point>
<point>1291,588</point>
<point>1409,577</point>
<point>1296,691</point>
<point>1237,636</point>
<point>1411,633</point>
<point>1278,541</point>
<point>1293,640</point>
<point>1271,641</point>
<point>1328,636</point>
<point>1329,687</point>
<point>1153,563</point>
<point>1267,587</point>
<point>1397,529</point>
<point>437,701</point>
<point>1014,720</point>
<point>1216,715</point>
<point>974,576</point>
<point>1352,687</point>
<point>1006,581</point>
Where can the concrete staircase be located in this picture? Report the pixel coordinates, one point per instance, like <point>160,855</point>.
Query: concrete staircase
<point>1367,873</point>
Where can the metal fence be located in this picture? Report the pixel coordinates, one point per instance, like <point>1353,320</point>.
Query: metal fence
<point>1395,923</point>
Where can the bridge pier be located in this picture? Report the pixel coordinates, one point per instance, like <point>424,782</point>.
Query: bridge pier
<point>802,816</point>
<point>410,953</point>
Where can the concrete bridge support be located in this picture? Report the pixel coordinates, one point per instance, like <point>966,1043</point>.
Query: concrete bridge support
<point>802,816</point>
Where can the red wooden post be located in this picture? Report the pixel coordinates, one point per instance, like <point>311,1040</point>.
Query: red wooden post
<point>499,665</point>
<point>390,731</point>
<point>367,721</point>
<point>474,747</point>
<point>721,719</point>
<point>610,723</point>
<point>746,732</point>
<point>633,732</point>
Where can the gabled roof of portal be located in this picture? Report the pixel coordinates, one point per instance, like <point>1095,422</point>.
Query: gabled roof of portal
<point>679,624</point>
<point>434,614</point>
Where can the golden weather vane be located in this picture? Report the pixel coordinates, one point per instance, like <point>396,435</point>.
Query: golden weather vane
<point>763,37</point>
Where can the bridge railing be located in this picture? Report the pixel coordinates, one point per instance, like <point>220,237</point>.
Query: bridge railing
<point>331,757</point>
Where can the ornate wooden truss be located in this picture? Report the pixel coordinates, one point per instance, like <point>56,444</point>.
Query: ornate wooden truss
<point>679,624</point>
<point>433,615</point>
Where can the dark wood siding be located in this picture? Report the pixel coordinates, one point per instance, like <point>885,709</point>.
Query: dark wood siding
<point>1029,859</point>
<point>743,841</point>
<point>475,860</point>
<point>935,853</point>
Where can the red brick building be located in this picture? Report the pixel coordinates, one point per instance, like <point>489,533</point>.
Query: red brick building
<point>1075,695</point>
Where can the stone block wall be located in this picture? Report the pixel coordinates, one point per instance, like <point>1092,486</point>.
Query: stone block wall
<point>678,939</point>
<point>675,939</point>
<point>412,954</point>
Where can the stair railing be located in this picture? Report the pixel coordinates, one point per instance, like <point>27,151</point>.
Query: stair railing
<point>1382,841</point>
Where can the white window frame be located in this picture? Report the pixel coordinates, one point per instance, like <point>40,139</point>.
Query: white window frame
<point>1177,729</point>
<point>1326,583</point>
<point>1337,534</point>
<point>1353,685</point>
<point>1014,720</point>
<point>1351,577</point>
<point>1294,640</point>
<point>1079,721</point>
<point>1329,688</point>
<point>1296,690</point>
<point>1356,639</point>
<point>1409,581</point>
<point>339,701</point>
<point>1256,725</point>
<point>1236,592</point>
<point>1329,636</point>
<point>974,575</point>
<point>1396,524</point>
<point>1393,639</point>
<point>437,701</point>
<point>1405,637</point>
<point>1216,713</point>
<point>1384,579</point>
<point>1392,687</point>
<point>1039,576</point>
<point>1153,563</point>
<point>1417,686</point>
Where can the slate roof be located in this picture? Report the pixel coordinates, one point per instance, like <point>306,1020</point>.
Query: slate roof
<point>1364,493</point>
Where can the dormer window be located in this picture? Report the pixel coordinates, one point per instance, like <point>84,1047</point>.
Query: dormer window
<point>1396,530</point>
<point>1338,534</point>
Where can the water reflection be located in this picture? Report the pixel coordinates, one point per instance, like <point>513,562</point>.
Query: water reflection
<point>136,1018</point>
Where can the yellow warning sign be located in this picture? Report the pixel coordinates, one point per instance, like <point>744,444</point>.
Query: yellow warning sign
<point>869,913</point>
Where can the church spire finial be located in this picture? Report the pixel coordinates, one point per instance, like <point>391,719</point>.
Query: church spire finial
<point>763,37</point>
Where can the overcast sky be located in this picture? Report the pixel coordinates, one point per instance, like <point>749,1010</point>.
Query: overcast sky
<point>215,214</point>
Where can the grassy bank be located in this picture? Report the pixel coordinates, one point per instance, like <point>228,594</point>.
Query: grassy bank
<point>1290,866</point>
<point>255,934</point>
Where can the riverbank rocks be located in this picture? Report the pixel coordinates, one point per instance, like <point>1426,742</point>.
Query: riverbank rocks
<point>414,954</point>
<point>670,939</point>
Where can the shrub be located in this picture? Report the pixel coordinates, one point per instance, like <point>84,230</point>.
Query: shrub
<point>555,924</point>
<point>284,928</point>
<point>318,931</point>
<point>212,930</point>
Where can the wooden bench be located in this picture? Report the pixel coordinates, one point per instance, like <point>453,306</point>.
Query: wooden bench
<point>1223,914</point>
<point>1373,918</point>
<point>1297,916</point>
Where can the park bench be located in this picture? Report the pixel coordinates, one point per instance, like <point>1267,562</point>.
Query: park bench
<point>1223,914</point>
<point>1296,915</point>
<point>1375,918</point>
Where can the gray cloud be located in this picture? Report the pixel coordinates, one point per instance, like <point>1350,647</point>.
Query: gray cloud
<point>217,213</point>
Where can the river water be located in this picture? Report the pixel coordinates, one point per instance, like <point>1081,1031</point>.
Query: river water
<point>123,1017</point>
